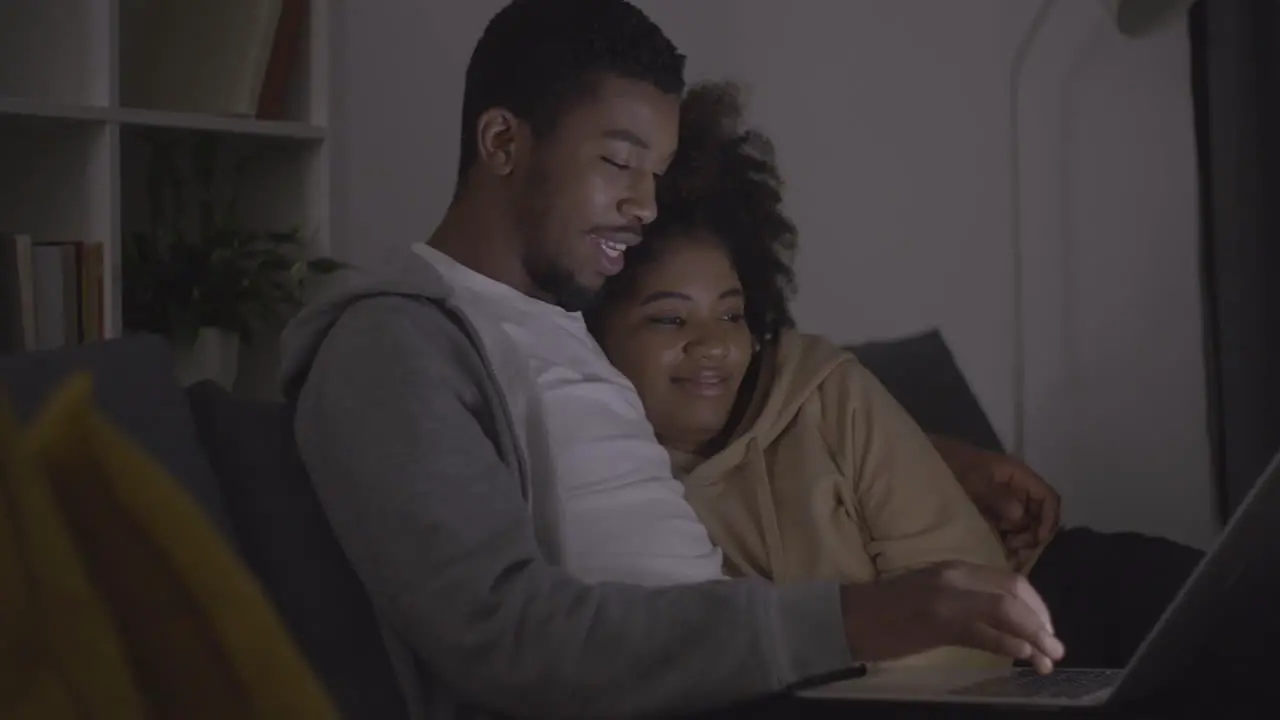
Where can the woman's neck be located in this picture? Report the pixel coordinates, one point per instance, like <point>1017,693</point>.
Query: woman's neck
<point>686,444</point>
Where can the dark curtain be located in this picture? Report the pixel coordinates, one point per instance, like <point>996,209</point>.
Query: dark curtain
<point>1235,47</point>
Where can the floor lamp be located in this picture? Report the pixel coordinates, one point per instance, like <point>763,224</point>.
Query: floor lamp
<point>1132,18</point>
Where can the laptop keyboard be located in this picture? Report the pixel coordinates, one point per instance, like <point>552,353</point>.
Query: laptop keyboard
<point>1027,683</point>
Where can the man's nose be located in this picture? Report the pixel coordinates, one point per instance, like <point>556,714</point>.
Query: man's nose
<point>641,203</point>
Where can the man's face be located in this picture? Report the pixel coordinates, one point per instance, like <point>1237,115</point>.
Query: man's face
<point>589,187</point>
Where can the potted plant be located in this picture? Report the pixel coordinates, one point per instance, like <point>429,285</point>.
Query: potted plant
<point>200,276</point>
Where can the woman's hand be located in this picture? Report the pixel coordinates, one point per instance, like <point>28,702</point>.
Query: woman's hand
<point>1018,503</point>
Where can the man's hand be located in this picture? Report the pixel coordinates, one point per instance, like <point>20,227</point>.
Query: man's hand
<point>951,604</point>
<point>1016,501</point>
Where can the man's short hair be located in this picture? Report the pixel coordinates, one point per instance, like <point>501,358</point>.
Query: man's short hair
<point>537,57</point>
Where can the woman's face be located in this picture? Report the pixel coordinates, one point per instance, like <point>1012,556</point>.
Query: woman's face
<point>681,339</point>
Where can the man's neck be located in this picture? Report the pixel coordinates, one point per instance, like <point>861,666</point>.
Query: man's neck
<point>481,240</point>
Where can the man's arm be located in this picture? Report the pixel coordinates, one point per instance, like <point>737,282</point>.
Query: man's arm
<point>1022,507</point>
<point>435,525</point>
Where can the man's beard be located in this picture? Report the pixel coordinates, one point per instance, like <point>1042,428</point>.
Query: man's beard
<point>548,273</point>
<point>559,286</point>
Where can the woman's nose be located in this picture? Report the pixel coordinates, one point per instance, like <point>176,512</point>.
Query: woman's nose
<point>711,346</point>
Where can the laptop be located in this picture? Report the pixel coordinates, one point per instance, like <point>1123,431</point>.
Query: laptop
<point>1219,600</point>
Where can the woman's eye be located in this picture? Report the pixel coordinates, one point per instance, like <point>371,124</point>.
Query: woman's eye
<point>735,317</point>
<point>616,164</point>
<point>668,321</point>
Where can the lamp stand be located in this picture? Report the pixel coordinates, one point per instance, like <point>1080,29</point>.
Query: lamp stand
<point>1019,342</point>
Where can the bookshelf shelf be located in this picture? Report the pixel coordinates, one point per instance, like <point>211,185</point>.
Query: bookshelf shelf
<point>51,110</point>
<point>283,129</point>
<point>46,110</point>
<point>75,138</point>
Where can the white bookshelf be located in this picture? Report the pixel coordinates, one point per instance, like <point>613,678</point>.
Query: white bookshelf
<point>70,149</point>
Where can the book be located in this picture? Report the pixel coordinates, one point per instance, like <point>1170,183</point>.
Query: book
<point>56,276</point>
<point>93,324</point>
<point>285,47</point>
<point>17,293</point>
<point>199,56</point>
<point>52,294</point>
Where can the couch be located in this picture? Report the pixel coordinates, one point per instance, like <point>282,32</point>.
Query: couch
<point>236,458</point>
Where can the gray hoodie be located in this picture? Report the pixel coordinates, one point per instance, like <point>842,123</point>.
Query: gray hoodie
<point>411,449</point>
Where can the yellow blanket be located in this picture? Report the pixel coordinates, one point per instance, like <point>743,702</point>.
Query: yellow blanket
<point>118,599</point>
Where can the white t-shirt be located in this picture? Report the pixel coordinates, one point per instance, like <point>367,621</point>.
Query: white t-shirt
<point>605,505</point>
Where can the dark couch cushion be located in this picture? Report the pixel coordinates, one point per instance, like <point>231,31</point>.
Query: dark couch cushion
<point>288,543</point>
<point>921,374</point>
<point>135,386</point>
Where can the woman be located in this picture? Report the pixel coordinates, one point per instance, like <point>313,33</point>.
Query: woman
<point>796,459</point>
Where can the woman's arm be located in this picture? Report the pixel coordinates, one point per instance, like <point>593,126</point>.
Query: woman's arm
<point>914,511</point>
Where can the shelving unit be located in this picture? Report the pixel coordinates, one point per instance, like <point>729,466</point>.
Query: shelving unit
<point>70,150</point>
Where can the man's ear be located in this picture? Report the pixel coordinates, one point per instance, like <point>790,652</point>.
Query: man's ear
<point>498,133</point>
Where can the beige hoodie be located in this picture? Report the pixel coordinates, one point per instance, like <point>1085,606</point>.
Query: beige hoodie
<point>829,478</point>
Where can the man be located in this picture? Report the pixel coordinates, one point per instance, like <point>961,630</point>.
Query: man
<point>414,428</point>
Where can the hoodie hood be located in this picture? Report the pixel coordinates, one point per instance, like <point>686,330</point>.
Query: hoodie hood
<point>792,372</point>
<point>405,274</point>
<point>801,363</point>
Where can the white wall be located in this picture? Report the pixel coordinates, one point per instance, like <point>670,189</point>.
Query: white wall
<point>891,121</point>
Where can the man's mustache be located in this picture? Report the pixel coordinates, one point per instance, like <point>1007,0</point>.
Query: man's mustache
<point>627,234</point>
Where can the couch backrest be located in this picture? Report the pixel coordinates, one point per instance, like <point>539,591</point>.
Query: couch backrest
<point>135,385</point>
<point>237,460</point>
<point>287,541</point>
<point>922,375</point>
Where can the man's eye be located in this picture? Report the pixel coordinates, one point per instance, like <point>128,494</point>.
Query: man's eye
<point>616,164</point>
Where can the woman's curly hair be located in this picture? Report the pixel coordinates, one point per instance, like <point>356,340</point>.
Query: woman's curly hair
<point>725,182</point>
